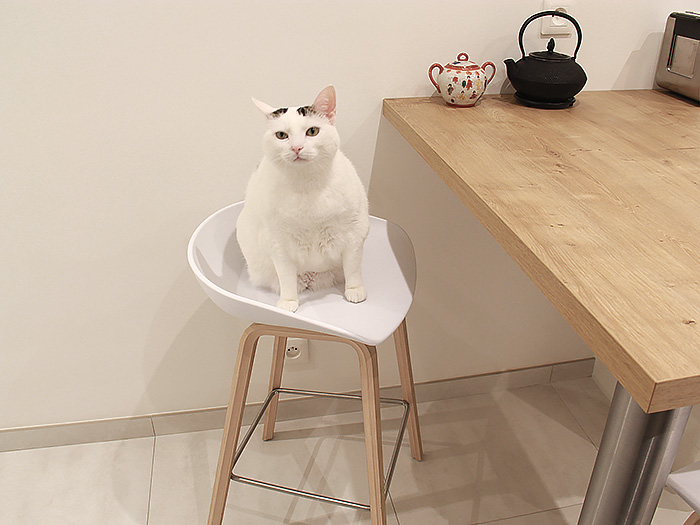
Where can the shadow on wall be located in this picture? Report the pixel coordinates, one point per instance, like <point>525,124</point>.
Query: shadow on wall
<point>638,69</point>
<point>195,362</point>
<point>474,311</point>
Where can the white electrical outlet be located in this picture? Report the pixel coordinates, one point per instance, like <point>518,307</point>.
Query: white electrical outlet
<point>297,351</point>
<point>556,25</point>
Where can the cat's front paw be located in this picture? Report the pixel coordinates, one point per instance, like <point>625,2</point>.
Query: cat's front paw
<point>288,304</point>
<point>356,294</point>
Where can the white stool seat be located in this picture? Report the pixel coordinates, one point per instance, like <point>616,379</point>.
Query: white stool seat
<point>686,483</point>
<point>388,270</point>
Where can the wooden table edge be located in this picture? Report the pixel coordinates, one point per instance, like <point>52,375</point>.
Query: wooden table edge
<point>652,395</point>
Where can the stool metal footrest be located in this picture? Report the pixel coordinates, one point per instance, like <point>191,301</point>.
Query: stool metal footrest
<point>312,495</point>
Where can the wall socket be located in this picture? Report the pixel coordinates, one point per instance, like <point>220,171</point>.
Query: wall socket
<point>297,351</point>
<point>556,25</point>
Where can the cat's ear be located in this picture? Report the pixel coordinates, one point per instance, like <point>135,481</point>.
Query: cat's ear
<point>267,110</point>
<point>325,103</point>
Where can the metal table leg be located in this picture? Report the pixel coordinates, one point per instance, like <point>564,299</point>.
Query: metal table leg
<point>634,460</point>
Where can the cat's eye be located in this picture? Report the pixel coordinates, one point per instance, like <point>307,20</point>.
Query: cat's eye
<point>281,135</point>
<point>312,131</point>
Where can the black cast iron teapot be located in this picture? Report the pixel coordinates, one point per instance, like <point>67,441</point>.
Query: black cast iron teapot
<point>547,79</point>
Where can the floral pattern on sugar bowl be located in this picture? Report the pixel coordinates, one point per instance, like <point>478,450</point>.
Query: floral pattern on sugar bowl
<point>462,82</point>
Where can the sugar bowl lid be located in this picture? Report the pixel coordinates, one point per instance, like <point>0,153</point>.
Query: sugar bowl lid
<point>462,64</point>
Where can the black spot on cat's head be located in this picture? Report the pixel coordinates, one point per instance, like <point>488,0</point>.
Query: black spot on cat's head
<point>278,112</point>
<point>306,110</point>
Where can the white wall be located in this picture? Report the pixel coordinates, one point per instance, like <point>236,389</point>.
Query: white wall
<point>124,123</point>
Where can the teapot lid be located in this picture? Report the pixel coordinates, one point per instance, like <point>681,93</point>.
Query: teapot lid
<point>550,55</point>
<point>462,64</point>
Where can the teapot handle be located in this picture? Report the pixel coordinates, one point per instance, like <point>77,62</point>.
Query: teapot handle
<point>430,74</point>
<point>550,13</point>
<point>492,74</point>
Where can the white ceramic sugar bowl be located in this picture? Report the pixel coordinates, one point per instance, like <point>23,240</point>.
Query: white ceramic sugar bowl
<point>462,82</point>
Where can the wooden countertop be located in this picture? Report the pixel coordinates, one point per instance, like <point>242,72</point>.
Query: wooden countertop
<point>600,205</point>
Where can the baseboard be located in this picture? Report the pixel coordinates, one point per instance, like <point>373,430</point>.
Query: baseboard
<point>296,408</point>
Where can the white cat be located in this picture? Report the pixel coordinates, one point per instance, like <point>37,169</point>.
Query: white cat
<point>305,217</point>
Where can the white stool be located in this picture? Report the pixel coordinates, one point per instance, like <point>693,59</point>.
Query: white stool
<point>389,275</point>
<point>686,483</point>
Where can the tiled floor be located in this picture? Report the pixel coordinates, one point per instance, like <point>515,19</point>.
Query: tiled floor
<point>516,457</point>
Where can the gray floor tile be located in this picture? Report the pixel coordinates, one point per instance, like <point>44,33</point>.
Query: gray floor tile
<point>587,404</point>
<point>106,483</point>
<point>563,516</point>
<point>494,456</point>
<point>324,455</point>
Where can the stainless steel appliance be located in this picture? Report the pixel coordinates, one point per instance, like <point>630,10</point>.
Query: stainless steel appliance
<point>679,62</point>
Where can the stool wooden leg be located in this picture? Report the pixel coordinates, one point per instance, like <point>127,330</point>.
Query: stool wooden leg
<point>693,519</point>
<point>403,357</point>
<point>369,373</point>
<point>278,352</point>
<point>234,417</point>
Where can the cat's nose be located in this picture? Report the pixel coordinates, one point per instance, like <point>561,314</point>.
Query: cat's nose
<point>297,149</point>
